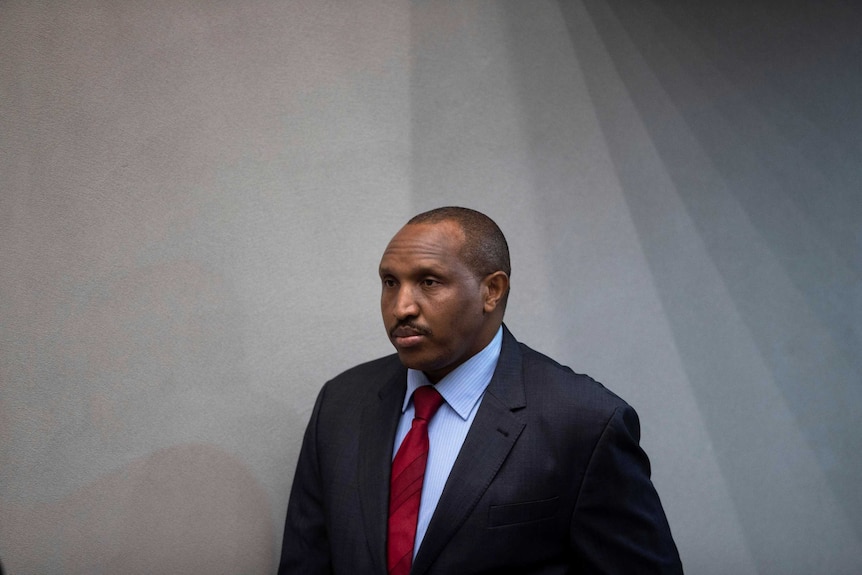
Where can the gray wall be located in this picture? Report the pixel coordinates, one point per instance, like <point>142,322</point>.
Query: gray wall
<point>194,197</point>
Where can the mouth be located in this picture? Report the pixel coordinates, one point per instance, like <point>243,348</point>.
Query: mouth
<point>406,336</point>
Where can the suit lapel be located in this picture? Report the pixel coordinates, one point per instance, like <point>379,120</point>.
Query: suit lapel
<point>489,441</point>
<point>377,433</point>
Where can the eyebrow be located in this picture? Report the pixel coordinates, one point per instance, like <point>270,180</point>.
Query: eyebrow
<point>422,271</point>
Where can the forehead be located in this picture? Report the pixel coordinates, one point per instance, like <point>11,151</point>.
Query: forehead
<point>424,245</point>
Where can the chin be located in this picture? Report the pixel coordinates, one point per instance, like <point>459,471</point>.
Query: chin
<point>412,360</point>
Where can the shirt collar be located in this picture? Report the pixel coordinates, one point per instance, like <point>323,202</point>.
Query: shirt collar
<point>464,385</point>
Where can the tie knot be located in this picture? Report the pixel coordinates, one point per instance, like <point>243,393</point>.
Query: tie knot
<point>426,401</point>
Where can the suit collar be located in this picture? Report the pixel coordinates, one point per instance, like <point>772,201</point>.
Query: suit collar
<point>507,384</point>
<point>379,421</point>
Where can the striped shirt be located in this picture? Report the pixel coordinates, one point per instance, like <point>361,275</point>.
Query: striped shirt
<point>462,389</point>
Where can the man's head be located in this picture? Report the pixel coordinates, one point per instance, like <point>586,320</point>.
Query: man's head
<point>445,280</point>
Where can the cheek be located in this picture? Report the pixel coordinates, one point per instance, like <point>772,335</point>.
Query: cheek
<point>463,316</point>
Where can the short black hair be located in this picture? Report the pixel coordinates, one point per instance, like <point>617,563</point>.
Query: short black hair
<point>485,249</point>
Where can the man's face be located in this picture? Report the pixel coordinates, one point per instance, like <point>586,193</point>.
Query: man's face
<point>432,304</point>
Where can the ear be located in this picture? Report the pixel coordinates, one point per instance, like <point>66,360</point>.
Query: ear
<point>495,286</point>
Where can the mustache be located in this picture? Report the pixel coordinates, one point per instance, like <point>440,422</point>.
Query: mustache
<point>409,326</point>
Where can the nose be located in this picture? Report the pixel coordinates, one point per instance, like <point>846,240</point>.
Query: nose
<point>405,304</point>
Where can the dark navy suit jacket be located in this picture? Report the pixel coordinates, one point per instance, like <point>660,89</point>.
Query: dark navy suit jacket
<point>550,479</point>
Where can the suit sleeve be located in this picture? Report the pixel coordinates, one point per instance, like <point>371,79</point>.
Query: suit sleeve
<point>618,525</point>
<point>305,545</point>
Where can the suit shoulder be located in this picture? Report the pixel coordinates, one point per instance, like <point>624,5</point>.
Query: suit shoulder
<point>547,375</point>
<point>373,368</point>
<point>361,378</point>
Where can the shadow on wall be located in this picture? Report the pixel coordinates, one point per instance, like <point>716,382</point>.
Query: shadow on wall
<point>184,509</point>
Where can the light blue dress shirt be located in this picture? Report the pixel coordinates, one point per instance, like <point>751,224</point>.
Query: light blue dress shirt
<point>462,389</point>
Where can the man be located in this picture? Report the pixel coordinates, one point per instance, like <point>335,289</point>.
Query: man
<point>531,468</point>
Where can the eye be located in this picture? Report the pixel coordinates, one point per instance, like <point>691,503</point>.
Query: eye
<point>429,282</point>
<point>388,282</point>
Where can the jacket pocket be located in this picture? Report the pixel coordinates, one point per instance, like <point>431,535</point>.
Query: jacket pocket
<point>524,512</point>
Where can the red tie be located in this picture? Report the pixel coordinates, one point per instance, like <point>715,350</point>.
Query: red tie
<point>405,490</point>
